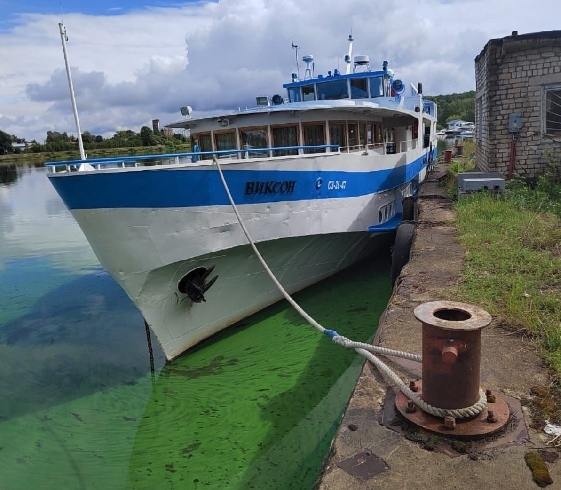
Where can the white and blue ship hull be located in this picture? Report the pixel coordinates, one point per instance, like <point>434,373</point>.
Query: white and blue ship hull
<point>149,226</point>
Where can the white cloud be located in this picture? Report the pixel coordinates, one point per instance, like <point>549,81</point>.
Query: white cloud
<point>131,68</point>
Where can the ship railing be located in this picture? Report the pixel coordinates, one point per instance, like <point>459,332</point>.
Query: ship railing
<point>387,148</point>
<point>190,157</point>
<point>407,145</point>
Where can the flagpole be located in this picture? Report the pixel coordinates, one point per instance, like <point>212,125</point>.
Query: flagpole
<point>64,38</point>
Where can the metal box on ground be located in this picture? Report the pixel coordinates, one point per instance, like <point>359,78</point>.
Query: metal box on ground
<point>470,182</point>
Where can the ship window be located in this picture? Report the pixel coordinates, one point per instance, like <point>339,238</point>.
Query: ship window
<point>285,136</point>
<point>314,135</point>
<point>308,93</point>
<point>378,135</point>
<point>376,87</point>
<point>359,88</point>
<point>294,94</point>
<point>552,112</point>
<point>337,134</point>
<point>253,138</point>
<point>205,144</point>
<point>363,133</point>
<point>353,136</point>
<point>225,140</point>
<point>333,90</point>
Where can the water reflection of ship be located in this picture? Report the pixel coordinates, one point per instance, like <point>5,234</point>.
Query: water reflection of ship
<point>258,407</point>
<point>79,338</point>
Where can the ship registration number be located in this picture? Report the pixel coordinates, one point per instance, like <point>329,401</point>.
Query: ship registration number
<point>336,184</point>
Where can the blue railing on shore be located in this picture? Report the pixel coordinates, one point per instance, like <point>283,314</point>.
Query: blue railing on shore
<point>199,155</point>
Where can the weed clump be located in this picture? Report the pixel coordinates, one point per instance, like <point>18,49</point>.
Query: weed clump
<point>537,465</point>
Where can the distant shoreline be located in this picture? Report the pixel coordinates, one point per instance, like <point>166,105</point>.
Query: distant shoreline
<point>43,157</point>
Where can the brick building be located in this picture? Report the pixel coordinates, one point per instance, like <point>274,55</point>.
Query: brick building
<point>518,103</point>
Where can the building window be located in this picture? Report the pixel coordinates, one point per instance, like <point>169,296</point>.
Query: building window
<point>552,112</point>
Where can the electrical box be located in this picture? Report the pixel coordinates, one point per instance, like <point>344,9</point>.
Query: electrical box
<point>515,122</point>
<point>470,182</point>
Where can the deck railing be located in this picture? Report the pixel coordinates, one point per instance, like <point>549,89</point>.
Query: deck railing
<point>193,157</point>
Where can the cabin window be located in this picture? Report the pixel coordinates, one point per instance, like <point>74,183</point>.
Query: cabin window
<point>378,134</point>
<point>308,93</point>
<point>333,90</point>
<point>337,134</point>
<point>353,136</point>
<point>415,130</point>
<point>294,94</point>
<point>253,138</point>
<point>225,140</point>
<point>369,133</point>
<point>363,133</point>
<point>359,88</point>
<point>376,87</point>
<point>205,144</point>
<point>314,135</point>
<point>284,136</point>
<point>552,112</point>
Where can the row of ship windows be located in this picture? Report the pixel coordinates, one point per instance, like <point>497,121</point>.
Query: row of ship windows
<point>334,89</point>
<point>344,134</point>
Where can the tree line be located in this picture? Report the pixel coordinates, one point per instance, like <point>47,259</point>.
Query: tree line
<point>454,106</point>
<point>56,141</point>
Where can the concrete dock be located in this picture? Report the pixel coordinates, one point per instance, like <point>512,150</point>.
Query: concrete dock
<point>371,453</point>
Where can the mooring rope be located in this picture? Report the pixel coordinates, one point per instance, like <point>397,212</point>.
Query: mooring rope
<point>362,348</point>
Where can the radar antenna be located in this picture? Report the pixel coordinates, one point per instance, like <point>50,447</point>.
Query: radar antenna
<point>309,60</point>
<point>296,47</point>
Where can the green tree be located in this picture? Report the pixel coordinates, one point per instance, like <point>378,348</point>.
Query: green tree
<point>455,106</point>
<point>5,143</point>
<point>147,136</point>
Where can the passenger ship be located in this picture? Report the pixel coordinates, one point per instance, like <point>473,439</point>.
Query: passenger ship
<point>317,174</point>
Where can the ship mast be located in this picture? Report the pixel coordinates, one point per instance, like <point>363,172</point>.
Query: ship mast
<point>64,38</point>
<point>349,55</point>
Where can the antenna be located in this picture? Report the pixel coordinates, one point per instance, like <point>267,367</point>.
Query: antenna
<point>296,47</point>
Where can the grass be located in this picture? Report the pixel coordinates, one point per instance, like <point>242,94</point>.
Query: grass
<point>513,259</point>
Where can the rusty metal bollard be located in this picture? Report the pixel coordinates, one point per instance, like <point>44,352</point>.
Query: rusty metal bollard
<point>451,352</point>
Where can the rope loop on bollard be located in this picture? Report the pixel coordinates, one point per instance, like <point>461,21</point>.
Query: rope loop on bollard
<point>367,350</point>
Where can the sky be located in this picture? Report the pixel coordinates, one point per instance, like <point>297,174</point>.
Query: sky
<point>134,61</point>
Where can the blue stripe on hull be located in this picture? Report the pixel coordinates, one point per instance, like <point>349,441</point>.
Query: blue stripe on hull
<point>180,187</point>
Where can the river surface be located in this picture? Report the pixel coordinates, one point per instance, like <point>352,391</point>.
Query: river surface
<point>255,407</point>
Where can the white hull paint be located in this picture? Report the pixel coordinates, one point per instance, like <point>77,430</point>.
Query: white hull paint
<point>148,251</point>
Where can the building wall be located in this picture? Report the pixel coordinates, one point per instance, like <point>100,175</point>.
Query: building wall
<point>510,77</point>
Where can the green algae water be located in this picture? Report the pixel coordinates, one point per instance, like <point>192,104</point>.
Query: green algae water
<point>255,407</point>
